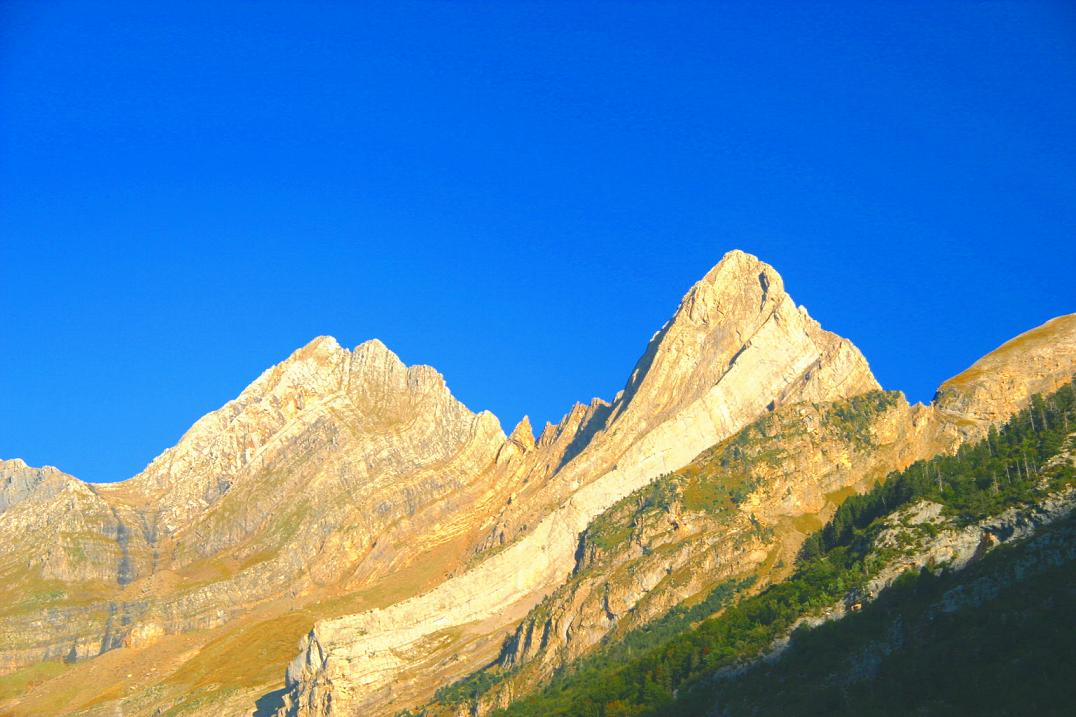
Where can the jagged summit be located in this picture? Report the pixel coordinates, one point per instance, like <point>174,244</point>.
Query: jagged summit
<point>19,481</point>
<point>320,386</point>
<point>736,346</point>
<point>318,343</point>
<point>709,298</point>
<point>347,492</point>
<point>523,434</point>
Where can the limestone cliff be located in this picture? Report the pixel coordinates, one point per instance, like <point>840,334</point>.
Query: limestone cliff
<point>736,347</point>
<point>332,470</point>
<point>346,492</point>
<point>675,540</point>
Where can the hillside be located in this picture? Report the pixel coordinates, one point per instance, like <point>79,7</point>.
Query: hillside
<point>346,537</point>
<point>341,482</point>
<point>929,570</point>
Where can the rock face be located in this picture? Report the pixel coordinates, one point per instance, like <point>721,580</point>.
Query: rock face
<point>998,384</point>
<point>953,547</point>
<point>347,492</point>
<point>340,425</point>
<point>736,347</point>
<point>306,486</point>
<point>739,512</point>
<point>19,481</point>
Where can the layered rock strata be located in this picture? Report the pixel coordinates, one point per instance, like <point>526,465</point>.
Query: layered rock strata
<point>345,490</point>
<point>736,348</point>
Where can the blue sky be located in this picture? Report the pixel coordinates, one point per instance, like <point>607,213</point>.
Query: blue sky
<point>515,193</point>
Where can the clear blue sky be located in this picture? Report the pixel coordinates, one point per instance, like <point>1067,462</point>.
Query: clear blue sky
<point>515,193</point>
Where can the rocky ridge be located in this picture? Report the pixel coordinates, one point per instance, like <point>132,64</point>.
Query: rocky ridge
<point>294,490</point>
<point>736,347</point>
<point>740,510</point>
<point>1000,383</point>
<point>346,490</point>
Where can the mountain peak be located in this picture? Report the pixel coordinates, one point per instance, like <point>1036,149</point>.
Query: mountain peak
<point>372,346</point>
<point>18,481</point>
<point>326,351</point>
<point>320,344</point>
<point>374,351</point>
<point>735,261</point>
<point>317,388</point>
<point>739,280</point>
<point>523,434</point>
<point>738,316</point>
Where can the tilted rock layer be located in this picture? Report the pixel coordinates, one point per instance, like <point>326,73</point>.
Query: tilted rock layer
<point>347,492</point>
<point>736,347</point>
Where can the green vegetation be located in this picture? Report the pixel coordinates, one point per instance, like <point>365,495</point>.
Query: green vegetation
<point>469,688</point>
<point>852,419</point>
<point>904,655</point>
<point>981,479</point>
<point>17,683</point>
<point>648,683</point>
<point>655,633</point>
<point>676,676</point>
<point>614,528</point>
<point>611,653</point>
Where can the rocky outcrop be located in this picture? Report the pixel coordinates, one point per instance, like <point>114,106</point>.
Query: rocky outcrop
<point>922,537</point>
<point>736,347</point>
<point>19,482</point>
<point>309,484</point>
<point>346,491</point>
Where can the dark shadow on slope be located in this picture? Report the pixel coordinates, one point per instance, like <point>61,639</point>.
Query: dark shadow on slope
<point>268,704</point>
<point>586,432</point>
<point>601,416</point>
<point>642,366</point>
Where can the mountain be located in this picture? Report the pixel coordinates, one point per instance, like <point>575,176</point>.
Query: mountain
<point>736,347</point>
<point>738,514</point>
<point>947,572</point>
<point>350,505</point>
